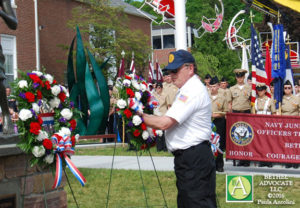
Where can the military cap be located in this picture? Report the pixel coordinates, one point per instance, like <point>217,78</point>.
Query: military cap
<point>178,58</point>
<point>239,71</point>
<point>249,76</point>
<point>207,76</point>
<point>223,79</point>
<point>261,86</point>
<point>287,82</point>
<point>214,81</point>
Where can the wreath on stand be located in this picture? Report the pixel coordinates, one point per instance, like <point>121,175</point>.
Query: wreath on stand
<point>134,97</point>
<point>47,124</point>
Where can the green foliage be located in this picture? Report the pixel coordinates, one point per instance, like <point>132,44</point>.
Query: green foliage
<point>107,28</point>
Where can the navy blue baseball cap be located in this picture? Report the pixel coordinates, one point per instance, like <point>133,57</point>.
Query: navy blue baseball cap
<point>178,58</point>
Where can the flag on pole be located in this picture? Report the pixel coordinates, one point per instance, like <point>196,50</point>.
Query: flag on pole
<point>132,67</point>
<point>245,61</point>
<point>122,68</point>
<point>150,75</point>
<point>159,74</point>
<point>259,74</point>
<point>278,63</point>
<point>268,65</point>
<point>289,71</point>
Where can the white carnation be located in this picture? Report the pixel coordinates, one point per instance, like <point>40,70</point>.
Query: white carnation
<point>143,87</point>
<point>25,114</point>
<point>49,78</point>
<point>49,158</point>
<point>38,73</point>
<point>42,135</point>
<point>22,84</point>
<point>145,135</point>
<point>138,95</point>
<point>126,82</point>
<point>54,103</point>
<point>36,107</point>
<point>136,120</point>
<point>64,131</point>
<point>135,84</point>
<point>121,103</point>
<point>66,113</point>
<point>159,133</point>
<point>38,151</point>
<point>55,90</point>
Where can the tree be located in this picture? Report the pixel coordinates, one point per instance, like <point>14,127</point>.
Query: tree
<point>106,29</point>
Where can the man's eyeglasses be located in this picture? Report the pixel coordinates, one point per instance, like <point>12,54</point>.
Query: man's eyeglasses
<point>287,88</point>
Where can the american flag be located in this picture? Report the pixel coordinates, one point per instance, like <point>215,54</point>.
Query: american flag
<point>159,74</point>
<point>259,74</point>
<point>150,75</point>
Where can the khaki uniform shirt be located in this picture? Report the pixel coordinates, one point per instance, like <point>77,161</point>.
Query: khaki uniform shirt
<point>219,103</point>
<point>264,105</point>
<point>240,98</point>
<point>162,106</point>
<point>226,93</point>
<point>170,91</point>
<point>290,105</point>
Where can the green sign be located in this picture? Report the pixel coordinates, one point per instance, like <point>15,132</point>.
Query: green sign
<point>239,188</point>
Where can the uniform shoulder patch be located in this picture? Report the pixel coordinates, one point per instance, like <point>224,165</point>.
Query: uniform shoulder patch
<point>183,98</point>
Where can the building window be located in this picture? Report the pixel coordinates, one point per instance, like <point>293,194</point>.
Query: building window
<point>156,42</point>
<point>169,41</point>
<point>8,43</point>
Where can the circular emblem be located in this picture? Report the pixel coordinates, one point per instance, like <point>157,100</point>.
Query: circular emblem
<point>241,133</point>
<point>171,58</point>
<point>239,187</point>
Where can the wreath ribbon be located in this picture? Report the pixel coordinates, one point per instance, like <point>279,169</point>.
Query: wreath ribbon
<point>63,148</point>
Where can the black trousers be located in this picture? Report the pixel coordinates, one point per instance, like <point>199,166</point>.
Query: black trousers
<point>196,177</point>
<point>221,130</point>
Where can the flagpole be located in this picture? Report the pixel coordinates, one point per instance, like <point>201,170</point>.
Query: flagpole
<point>180,25</point>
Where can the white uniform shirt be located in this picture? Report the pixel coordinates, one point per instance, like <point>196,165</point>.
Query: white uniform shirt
<point>192,110</point>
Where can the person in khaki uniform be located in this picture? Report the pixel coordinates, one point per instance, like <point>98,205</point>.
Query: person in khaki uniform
<point>240,100</point>
<point>169,89</point>
<point>219,109</point>
<point>290,107</point>
<point>240,94</point>
<point>263,105</point>
<point>290,103</point>
<point>223,89</point>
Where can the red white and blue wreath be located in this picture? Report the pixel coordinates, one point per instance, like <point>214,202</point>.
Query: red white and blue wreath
<point>46,123</point>
<point>134,97</point>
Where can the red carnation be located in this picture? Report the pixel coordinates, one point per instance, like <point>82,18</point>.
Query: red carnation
<point>130,92</point>
<point>48,86</point>
<point>40,120</point>
<point>136,133</point>
<point>143,126</point>
<point>73,124</point>
<point>127,113</point>
<point>35,78</point>
<point>54,82</point>
<point>62,96</point>
<point>47,144</point>
<point>73,140</point>
<point>30,97</point>
<point>39,94</point>
<point>35,128</point>
<point>128,77</point>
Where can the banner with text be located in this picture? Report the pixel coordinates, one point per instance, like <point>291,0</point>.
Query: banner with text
<point>263,138</point>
